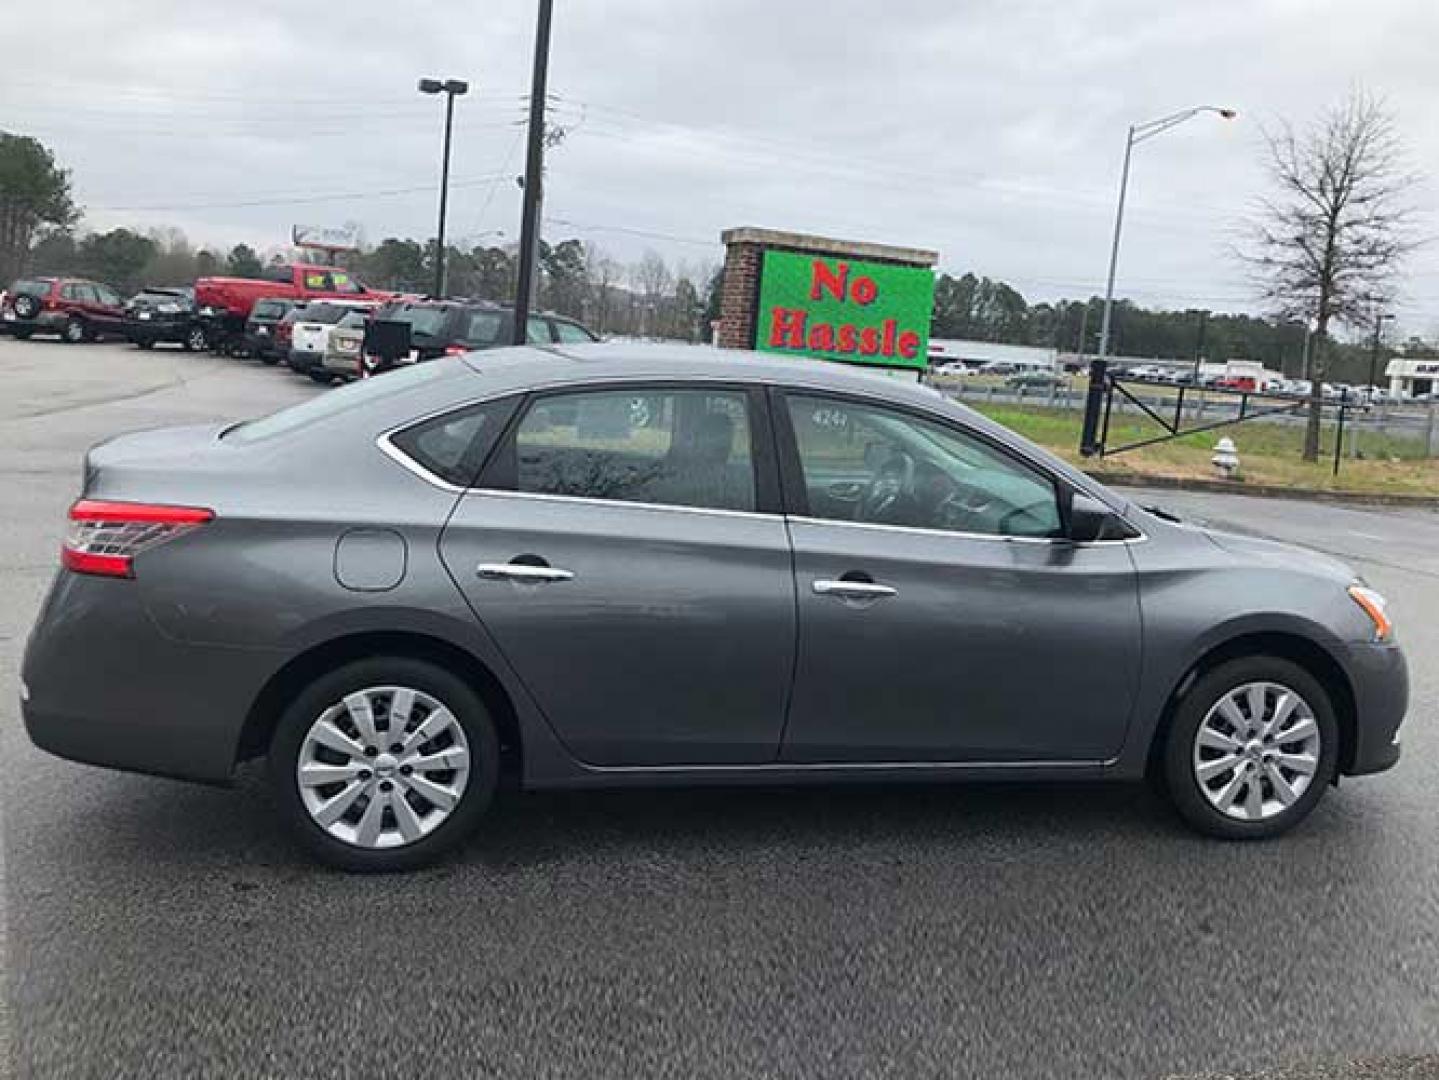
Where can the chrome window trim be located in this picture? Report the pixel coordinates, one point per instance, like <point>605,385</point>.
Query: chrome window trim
<point>387,447</point>
<point>586,500</point>
<point>806,519</point>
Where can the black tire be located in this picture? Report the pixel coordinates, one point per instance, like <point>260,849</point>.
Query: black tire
<point>145,343</point>
<point>268,359</point>
<point>454,693</point>
<point>75,331</point>
<point>196,340</point>
<point>26,306</point>
<point>22,335</point>
<point>319,375</point>
<point>1180,782</point>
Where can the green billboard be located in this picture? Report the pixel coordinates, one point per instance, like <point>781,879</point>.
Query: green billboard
<point>836,308</point>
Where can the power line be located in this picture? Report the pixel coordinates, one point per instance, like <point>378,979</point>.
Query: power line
<point>294,200</point>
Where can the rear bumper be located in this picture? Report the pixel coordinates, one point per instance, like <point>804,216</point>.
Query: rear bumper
<point>345,366</point>
<point>167,329</point>
<point>102,684</point>
<point>304,361</point>
<point>1379,676</point>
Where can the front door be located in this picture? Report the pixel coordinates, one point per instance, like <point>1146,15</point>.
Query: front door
<point>942,616</point>
<point>625,551</point>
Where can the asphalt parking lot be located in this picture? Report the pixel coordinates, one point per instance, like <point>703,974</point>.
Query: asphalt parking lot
<point>159,929</point>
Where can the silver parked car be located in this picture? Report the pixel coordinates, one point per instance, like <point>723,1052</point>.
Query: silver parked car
<point>608,565</point>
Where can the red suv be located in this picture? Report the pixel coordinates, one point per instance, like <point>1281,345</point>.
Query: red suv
<point>75,309</point>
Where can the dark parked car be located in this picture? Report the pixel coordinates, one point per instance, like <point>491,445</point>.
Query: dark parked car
<point>74,309</point>
<point>261,338</point>
<point>154,315</point>
<point>613,566</point>
<point>453,327</point>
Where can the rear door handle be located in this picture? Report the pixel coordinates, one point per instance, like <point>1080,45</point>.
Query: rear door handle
<point>523,572</point>
<point>852,590</point>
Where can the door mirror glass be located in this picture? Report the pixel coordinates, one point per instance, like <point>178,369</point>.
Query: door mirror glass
<point>1090,521</point>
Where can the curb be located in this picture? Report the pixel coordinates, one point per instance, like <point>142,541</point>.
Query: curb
<point>1263,491</point>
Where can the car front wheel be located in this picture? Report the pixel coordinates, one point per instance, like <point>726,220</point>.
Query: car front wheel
<point>1253,746</point>
<point>75,332</point>
<point>384,764</point>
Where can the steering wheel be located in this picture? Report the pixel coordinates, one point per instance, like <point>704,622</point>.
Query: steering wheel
<point>962,505</point>
<point>892,481</point>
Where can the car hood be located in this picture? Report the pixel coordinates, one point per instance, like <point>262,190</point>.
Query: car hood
<point>1253,549</point>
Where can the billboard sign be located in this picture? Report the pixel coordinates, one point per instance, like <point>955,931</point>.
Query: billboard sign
<point>835,308</point>
<point>326,237</point>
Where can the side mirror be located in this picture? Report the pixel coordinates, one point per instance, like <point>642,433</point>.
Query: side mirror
<point>1091,520</point>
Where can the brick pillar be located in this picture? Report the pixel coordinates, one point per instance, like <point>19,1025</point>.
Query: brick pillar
<point>739,292</point>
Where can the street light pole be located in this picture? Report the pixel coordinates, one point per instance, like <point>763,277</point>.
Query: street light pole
<point>534,176</point>
<point>451,88</point>
<point>1137,134</point>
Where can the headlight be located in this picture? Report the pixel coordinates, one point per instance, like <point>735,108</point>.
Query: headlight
<point>1377,608</point>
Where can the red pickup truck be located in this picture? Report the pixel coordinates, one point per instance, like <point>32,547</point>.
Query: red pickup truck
<point>224,303</point>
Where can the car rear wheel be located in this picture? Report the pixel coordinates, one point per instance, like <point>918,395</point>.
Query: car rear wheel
<point>195,339</point>
<point>384,764</point>
<point>1253,746</point>
<point>75,331</point>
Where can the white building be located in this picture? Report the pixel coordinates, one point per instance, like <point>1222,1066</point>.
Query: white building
<point>1409,378</point>
<point>976,353</point>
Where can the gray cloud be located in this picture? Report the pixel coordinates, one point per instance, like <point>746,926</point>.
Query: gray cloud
<point>989,130</point>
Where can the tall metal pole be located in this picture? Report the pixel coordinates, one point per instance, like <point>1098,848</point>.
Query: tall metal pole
<point>444,198</point>
<point>1114,247</point>
<point>1374,349</point>
<point>534,174</point>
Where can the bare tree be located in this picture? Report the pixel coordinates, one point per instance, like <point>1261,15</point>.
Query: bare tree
<point>1327,247</point>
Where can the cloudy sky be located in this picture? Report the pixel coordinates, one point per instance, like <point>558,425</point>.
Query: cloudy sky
<point>991,130</point>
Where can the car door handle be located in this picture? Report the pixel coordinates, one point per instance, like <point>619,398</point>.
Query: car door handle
<point>523,572</point>
<point>852,590</point>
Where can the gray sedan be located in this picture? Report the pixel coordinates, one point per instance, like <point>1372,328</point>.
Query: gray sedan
<point>600,566</point>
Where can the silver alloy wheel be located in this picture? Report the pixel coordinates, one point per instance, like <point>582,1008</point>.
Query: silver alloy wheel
<point>384,767</point>
<point>1257,751</point>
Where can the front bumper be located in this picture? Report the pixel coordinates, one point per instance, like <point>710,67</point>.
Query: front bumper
<point>1379,677</point>
<point>102,684</point>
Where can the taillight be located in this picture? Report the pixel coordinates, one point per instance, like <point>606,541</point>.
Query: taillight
<point>105,537</point>
<point>455,350</point>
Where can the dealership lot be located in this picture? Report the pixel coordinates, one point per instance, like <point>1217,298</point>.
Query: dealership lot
<point>155,927</point>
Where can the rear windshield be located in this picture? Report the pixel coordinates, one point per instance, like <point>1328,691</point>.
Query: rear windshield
<point>326,313</point>
<point>424,321</point>
<point>295,314</point>
<point>354,318</point>
<point>336,402</point>
<point>32,287</point>
<point>271,309</point>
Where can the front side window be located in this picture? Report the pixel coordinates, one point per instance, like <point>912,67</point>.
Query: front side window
<point>671,447</point>
<point>869,464</point>
<point>537,331</point>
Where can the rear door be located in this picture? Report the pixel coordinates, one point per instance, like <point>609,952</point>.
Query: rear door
<point>110,308</point>
<point>625,551</point>
<point>943,616</point>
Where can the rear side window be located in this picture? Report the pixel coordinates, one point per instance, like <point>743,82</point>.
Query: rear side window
<point>30,288</point>
<point>671,447</point>
<point>571,334</point>
<point>455,445</point>
<point>484,327</point>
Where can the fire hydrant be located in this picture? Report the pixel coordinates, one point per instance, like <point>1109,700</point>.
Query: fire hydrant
<point>1226,458</point>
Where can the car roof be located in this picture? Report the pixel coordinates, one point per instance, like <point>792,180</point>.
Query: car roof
<point>535,365</point>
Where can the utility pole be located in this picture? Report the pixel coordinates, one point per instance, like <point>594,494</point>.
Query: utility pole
<point>534,173</point>
<point>1374,348</point>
